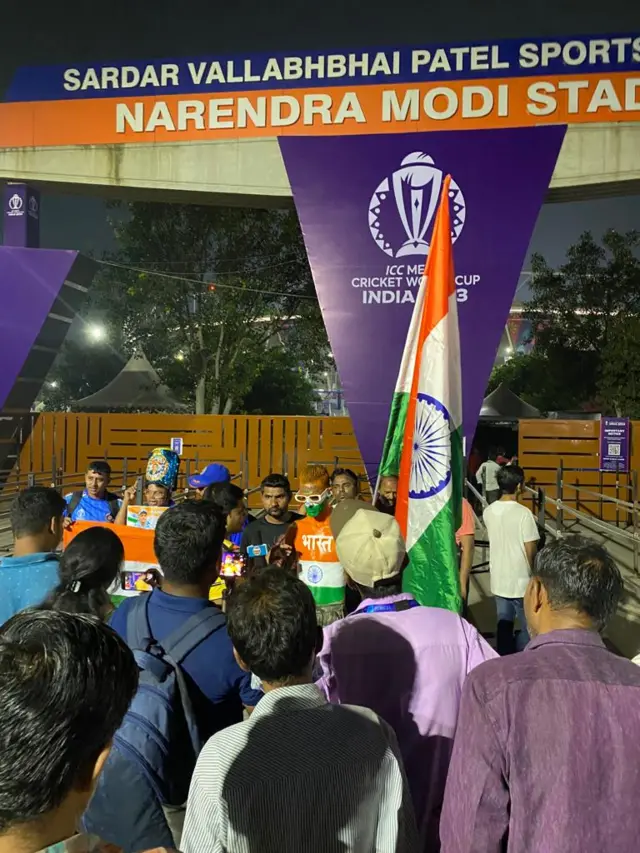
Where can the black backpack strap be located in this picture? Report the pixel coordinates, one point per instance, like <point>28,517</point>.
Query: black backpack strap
<point>114,504</point>
<point>74,503</point>
<point>189,635</point>
<point>138,629</point>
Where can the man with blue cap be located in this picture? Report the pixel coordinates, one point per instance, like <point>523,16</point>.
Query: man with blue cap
<point>209,476</point>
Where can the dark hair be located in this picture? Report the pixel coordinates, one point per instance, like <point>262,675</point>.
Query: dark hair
<point>509,478</point>
<point>382,589</point>
<point>66,682</point>
<point>271,619</point>
<point>580,574</point>
<point>276,481</point>
<point>492,455</point>
<point>225,496</point>
<point>344,472</point>
<point>89,565</point>
<point>100,467</point>
<point>188,540</point>
<point>33,509</point>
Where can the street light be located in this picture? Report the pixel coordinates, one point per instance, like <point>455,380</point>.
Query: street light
<point>96,333</point>
<point>53,384</point>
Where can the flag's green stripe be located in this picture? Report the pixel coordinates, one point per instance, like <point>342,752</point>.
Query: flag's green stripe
<point>432,575</point>
<point>390,465</point>
<point>326,595</point>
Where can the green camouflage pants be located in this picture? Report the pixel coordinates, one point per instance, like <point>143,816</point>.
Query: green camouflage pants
<point>329,614</point>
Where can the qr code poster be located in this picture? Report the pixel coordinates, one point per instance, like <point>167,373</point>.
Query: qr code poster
<point>614,450</point>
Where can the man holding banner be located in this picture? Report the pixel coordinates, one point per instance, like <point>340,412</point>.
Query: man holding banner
<point>423,446</point>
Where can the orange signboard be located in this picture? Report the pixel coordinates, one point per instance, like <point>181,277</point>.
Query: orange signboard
<point>511,83</point>
<point>458,105</point>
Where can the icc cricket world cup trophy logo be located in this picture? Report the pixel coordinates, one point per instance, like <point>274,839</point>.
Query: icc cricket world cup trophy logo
<point>403,207</point>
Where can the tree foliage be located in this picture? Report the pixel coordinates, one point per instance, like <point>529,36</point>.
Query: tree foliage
<point>584,317</point>
<point>619,378</point>
<point>209,294</point>
<point>280,389</point>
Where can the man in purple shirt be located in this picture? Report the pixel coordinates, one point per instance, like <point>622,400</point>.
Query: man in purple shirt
<point>547,752</point>
<point>404,661</point>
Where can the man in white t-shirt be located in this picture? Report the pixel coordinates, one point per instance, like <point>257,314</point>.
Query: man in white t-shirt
<point>513,542</point>
<point>487,477</point>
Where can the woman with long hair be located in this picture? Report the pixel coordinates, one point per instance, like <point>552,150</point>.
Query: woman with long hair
<point>88,567</point>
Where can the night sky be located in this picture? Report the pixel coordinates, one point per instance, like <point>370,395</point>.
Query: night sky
<point>45,33</point>
<point>80,222</point>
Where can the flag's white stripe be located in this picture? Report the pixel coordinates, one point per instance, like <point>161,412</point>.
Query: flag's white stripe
<point>419,517</point>
<point>440,378</point>
<point>407,366</point>
<point>440,364</point>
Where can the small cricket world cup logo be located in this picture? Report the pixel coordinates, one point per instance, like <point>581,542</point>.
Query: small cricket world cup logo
<point>403,207</point>
<point>15,205</point>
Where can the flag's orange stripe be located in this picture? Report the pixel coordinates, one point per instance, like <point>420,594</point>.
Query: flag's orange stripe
<point>138,544</point>
<point>440,285</point>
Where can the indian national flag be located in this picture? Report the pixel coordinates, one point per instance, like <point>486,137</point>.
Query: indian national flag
<point>424,438</point>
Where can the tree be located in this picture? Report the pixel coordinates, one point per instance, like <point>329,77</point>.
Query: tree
<point>619,379</point>
<point>208,293</point>
<point>577,312</point>
<point>280,389</point>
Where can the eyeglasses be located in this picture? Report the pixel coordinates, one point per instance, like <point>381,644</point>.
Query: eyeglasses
<point>312,499</point>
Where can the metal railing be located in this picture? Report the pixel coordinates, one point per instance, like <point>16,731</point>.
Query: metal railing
<point>626,530</point>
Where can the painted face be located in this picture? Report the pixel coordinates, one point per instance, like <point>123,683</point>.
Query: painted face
<point>313,496</point>
<point>155,495</point>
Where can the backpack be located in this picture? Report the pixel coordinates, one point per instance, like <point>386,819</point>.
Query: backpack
<point>159,732</point>
<point>112,500</point>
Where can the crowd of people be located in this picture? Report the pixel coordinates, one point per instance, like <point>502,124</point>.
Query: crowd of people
<point>325,709</point>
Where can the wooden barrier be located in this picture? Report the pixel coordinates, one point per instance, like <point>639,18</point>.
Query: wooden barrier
<point>546,445</point>
<point>251,445</point>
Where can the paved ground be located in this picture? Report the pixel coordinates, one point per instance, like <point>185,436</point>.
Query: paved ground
<point>624,630</point>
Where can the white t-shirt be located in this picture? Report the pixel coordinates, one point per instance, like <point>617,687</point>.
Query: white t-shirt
<point>491,468</point>
<point>509,525</point>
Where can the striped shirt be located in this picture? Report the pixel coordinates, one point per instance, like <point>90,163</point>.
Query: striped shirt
<point>301,775</point>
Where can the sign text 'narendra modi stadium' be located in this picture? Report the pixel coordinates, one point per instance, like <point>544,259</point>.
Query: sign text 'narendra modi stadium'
<point>451,87</point>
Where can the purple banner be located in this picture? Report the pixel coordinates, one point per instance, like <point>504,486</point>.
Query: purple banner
<point>30,282</point>
<point>21,216</point>
<point>614,444</point>
<point>367,206</point>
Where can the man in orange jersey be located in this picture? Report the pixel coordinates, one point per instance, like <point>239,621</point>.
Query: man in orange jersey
<point>320,568</point>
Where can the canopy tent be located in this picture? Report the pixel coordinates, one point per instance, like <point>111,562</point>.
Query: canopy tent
<point>137,388</point>
<point>503,405</point>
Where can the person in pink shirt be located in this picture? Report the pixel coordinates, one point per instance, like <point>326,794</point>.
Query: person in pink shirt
<point>404,661</point>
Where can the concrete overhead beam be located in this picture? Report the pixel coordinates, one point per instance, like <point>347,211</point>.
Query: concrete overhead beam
<point>596,160</point>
